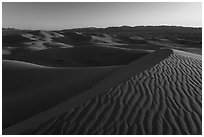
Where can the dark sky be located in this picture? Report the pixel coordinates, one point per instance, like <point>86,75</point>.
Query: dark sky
<point>75,15</point>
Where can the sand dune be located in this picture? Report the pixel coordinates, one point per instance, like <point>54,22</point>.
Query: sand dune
<point>187,54</point>
<point>165,99</point>
<point>5,51</point>
<point>15,64</point>
<point>133,38</point>
<point>100,86</point>
<point>43,40</point>
<point>24,83</point>
<point>105,39</point>
<point>84,56</point>
<point>31,40</point>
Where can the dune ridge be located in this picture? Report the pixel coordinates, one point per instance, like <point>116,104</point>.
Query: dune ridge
<point>163,99</point>
<point>187,54</point>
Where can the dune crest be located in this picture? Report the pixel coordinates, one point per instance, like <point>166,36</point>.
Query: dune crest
<point>187,54</point>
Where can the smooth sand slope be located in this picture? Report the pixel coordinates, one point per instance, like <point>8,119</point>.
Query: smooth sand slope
<point>29,88</point>
<point>157,94</point>
<point>15,64</point>
<point>84,56</point>
<point>53,81</point>
<point>17,86</point>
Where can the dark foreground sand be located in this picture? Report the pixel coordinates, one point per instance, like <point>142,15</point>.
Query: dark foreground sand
<point>29,88</point>
<point>163,99</point>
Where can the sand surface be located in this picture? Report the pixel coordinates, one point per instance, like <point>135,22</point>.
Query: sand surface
<point>15,64</point>
<point>115,80</point>
<point>85,56</point>
<point>24,83</point>
<point>163,99</point>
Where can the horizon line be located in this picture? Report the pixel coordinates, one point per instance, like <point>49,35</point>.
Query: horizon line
<point>105,27</point>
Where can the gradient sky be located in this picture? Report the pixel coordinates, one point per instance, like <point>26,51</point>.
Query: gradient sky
<point>75,15</point>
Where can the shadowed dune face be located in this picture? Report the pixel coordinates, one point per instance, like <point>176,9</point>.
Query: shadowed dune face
<point>16,65</point>
<point>86,56</point>
<point>165,99</point>
<point>73,38</point>
<point>23,83</point>
<point>14,39</point>
<point>131,39</point>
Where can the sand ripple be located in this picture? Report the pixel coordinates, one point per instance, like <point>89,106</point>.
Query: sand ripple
<point>166,99</point>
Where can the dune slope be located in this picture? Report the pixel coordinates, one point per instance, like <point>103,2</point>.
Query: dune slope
<point>165,99</point>
<point>85,56</point>
<point>29,89</point>
<point>17,92</point>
